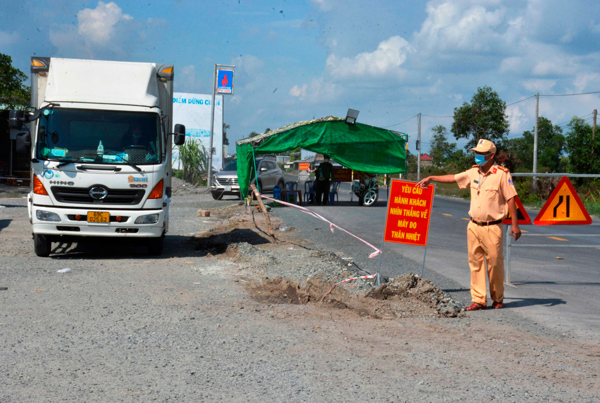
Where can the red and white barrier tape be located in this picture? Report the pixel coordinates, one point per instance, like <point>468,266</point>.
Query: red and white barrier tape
<point>320,217</point>
<point>348,280</point>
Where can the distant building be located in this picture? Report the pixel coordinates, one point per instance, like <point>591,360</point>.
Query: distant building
<point>283,159</point>
<point>426,160</point>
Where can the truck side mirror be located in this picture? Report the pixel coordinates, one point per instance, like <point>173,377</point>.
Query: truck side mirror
<point>23,143</point>
<point>179,134</point>
<point>16,119</point>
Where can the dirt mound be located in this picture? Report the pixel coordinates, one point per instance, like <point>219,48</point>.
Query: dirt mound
<point>422,289</point>
<point>292,271</point>
<point>278,291</point>
<point>404,296</point>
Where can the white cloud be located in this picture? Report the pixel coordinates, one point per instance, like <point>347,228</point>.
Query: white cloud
<point>298,91</point>
<point>460,26</point>
<point>324,5</point>
<point>558,66</point>
<point>102,32</point>
<point>516,119</point>
<point>583,80</point>
<point>511,64</point>
<point>249,64</point>
<point>98,26</point>
<point>385,60</point>
<point>539,85</point>
<point>318,90</point>
<point>7,39</point>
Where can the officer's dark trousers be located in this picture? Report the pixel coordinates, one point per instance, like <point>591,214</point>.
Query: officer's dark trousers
<point>322,192</point>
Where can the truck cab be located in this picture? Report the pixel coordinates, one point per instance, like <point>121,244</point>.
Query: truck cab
<point>100,143</point>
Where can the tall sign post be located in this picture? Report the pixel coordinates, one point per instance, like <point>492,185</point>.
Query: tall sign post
<point>222,84</point>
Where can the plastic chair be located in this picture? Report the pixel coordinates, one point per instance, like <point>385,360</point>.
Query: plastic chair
<point>291,189</point>
<point>309,190</point>
<point>333,193</point>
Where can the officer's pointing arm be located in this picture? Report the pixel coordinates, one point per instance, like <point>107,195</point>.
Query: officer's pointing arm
<point>423,183</point>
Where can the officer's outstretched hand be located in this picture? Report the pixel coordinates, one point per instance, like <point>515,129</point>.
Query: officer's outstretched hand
<point>515,232</point>
<point>423,183</point>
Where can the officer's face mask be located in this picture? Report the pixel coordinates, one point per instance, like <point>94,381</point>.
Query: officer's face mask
<point>480,159</point>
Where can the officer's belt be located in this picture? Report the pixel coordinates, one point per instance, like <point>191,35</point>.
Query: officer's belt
<point>485,223</point>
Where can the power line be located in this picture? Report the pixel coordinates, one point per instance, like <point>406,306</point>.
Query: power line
<point>524,99</point>
<point>401,122</point>
<point>437,116</point>
<point>570,95</point>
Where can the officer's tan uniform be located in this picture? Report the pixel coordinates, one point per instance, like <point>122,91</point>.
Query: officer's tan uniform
<point>490,194</point>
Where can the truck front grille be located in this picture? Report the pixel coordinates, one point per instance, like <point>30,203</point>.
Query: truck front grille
<point>82,195</point>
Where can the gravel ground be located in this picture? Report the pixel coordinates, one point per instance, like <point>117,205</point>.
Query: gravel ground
<point>191,326</point>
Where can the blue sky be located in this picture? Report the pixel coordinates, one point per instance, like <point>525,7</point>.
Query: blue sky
<point>302,59</point>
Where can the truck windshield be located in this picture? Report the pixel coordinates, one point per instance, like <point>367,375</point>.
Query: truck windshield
<point>103,137</point>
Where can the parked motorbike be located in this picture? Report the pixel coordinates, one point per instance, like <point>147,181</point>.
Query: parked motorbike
<point>367,190</point>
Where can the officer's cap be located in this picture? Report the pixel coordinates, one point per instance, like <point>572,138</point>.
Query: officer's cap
<point>484,146</point>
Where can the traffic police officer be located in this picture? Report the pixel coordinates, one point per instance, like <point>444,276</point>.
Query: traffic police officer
<point>492,197</point>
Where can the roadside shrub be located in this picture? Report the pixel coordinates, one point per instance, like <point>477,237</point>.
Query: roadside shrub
<point>194,158</point>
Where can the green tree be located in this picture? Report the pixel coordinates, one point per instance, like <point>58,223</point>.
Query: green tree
<point>583,148</point>
<point>254,134</point>
<point>483,118</point>
<point>13,93</point>
<point>295,154</point>
<point>551,144</point>
<point>441,150</point>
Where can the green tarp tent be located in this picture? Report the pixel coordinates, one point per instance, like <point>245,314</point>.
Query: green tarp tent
<point>359,147</point>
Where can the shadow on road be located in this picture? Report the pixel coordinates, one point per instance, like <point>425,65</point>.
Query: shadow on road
<point>585,283</point>
<point>174,246</point>
<point>4,224</point>
<point>523,302</point>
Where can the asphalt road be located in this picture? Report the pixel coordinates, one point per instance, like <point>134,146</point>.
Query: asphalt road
<point>556,286</point>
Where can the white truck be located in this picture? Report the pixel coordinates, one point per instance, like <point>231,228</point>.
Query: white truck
<point>100,143</point>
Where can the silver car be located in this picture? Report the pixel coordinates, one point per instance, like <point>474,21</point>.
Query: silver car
<point>225,182</point>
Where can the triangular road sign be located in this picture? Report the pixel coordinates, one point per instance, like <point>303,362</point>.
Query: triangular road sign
<point>563,207</point>
<point>522,216</point>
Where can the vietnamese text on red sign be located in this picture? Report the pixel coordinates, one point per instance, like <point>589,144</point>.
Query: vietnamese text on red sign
<point>409,211</point>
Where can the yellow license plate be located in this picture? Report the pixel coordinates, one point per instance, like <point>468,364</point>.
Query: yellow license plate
<point>98,216</point>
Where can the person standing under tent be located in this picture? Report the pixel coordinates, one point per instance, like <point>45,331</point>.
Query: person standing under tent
<point>323,177</point>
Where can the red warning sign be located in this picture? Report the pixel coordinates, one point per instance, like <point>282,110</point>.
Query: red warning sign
<point>342,174</point>
<point>563,207</point>
<point>522,216</point>
<point>408,213</point>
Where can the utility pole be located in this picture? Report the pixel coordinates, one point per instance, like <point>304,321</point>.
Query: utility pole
<point>594,127</point>
<point>419,150</point>
<point>594,130</point>
<point>535,139</point>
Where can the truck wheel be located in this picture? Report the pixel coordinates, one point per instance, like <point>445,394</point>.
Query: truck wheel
<point>42,245</point>
<point>217,195</point>
<point>370,197</point>
<point>155,246</point>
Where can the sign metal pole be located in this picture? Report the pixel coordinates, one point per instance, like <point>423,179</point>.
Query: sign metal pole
<point>425,252</point>
<point>212,128</point>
